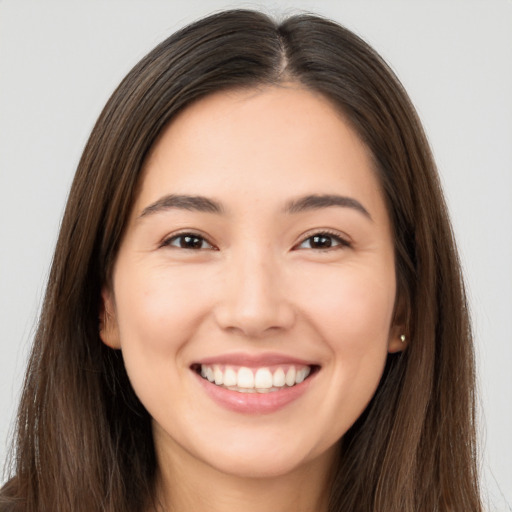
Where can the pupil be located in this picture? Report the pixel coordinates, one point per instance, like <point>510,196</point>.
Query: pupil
<point>322,241</point>
<point>191,242</point>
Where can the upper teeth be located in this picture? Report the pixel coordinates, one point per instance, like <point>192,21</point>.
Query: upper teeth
<point>255,379</point>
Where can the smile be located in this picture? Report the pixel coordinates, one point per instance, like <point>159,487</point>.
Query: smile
<point>255,384</point>
<point>265,379</point>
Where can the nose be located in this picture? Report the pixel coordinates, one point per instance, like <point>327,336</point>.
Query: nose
<point>254,301</point>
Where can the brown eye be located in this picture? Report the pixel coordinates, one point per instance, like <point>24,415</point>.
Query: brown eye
<point>323,241</point>
<point>188,241</point>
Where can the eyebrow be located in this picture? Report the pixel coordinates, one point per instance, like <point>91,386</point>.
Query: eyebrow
<point>317,202</point>
<point>207,205</point>
<point>183,202</point>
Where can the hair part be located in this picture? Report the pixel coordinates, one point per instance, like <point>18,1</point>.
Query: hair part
<point>84,440</point>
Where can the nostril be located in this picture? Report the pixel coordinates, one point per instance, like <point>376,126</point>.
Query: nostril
<point>255,310</point>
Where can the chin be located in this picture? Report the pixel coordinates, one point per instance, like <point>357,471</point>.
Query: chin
<point>259,467</point>
<point>264,459</point>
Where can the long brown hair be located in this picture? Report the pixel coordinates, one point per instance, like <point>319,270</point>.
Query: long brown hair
<point>84,440</point>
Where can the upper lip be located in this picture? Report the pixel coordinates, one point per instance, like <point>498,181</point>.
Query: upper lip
<point>254,360</point>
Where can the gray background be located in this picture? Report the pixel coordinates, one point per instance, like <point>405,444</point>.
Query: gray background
<point>59,62</point>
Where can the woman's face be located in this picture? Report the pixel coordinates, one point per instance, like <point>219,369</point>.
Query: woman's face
<point>258,255</point>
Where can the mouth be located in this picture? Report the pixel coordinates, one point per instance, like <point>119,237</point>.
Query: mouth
<point>262,379</point>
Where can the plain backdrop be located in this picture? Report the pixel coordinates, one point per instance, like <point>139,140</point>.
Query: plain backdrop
<point>59,62</point>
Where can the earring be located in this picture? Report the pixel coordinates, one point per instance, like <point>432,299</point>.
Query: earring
<point>402,338</point>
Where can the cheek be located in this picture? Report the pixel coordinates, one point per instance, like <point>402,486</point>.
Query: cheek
<point>156,315</point>
<point>352,310</point>
<point>156,307</point>
<point>352,306</point>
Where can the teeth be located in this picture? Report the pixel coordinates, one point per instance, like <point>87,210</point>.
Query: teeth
<point>261,380</point>
<point>278,379</point>
<point>230,378</point>
<point>290,376</point>
<point>244,390</point>
<point>301,375</point>
<point>245,378</point>
<point>218,375</point>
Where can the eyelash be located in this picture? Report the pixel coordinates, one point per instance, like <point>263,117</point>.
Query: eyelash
<point>340,242</point>
<point>168,242</point>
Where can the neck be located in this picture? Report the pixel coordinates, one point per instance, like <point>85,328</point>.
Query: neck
<point>186,484</point>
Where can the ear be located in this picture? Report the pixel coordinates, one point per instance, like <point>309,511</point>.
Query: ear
<point>398,334</point>
<point>397,339</point>
<point>109,330</point>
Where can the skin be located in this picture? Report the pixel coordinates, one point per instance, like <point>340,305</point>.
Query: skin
<point>256,284</point>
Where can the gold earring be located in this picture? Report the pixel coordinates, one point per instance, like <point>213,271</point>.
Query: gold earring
<point>402,338</point>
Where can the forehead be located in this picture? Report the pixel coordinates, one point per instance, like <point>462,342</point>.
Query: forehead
<point>264,143</point>
<point>254,116</point>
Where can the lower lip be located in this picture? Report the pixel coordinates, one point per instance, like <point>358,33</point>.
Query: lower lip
<point>254,403</point>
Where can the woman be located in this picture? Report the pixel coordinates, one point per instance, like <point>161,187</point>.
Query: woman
<point>255,300</point>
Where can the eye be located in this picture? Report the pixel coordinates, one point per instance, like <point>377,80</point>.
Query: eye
<point>188,241</point>
<point>323,241</point>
